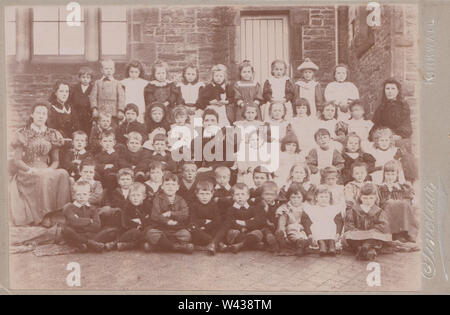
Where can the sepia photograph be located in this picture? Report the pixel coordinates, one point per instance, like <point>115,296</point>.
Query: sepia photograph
<point>215,148</point>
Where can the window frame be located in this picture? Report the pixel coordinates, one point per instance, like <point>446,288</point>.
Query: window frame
<point>56,58</point>
<point>116,58</point>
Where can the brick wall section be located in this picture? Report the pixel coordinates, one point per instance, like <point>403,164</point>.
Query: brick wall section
<point>393,54</point>
<point>319,40</point>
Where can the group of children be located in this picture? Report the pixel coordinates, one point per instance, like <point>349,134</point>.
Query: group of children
<point>337,181</point>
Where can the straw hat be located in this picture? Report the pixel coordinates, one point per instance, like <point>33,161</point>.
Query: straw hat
<point>308,65</point>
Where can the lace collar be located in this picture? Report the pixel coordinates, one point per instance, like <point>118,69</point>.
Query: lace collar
<point>41,129</point>
<point>160,84</point>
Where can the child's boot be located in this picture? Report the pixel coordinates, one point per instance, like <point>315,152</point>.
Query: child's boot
<point>371,254</point>
<point>236,248</point>
<point>222,247</point>
<point>110,246</point>
<point>322,248</point>
<point>121,246</point>
<point>147,247</point>
<point>300,247</point>
<point>331,248</point>
<point>187,248</point>
<point>273,244</point>
<point>95,246</point>
<point>211,249</point>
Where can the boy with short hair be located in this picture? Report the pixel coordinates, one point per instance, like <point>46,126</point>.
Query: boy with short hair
<point>243,223</point>
<point>170,219</point>
<point>205,222</point>
<point>103,124</point>
<point>187,182</point>
<point>270,204</point>
<point>108,94</point>
<point>107,161</point>
<point>222,190</point>
<point>76,155</point>
<point>110,213</point>
<point>323,155</point>
<point>161,153</point>
<point>130,124</point>
<point>135,218</point>
<point>260,175</point>
<point>79,99</point>
<point>153,185</point>
<point>82,227</point>
<point>134,156</point>
<point>87,173</point>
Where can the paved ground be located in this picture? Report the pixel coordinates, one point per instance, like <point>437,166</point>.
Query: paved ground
<point>250,271</point>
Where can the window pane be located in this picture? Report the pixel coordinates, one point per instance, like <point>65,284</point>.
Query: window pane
<point>71,39</point>
<point>63,12</point>
<point>45,13</point>
<point>114,38</point>
<point>114,13</point>
<point>45,38</point>
<point>10,14</point>
<point>10,38</point>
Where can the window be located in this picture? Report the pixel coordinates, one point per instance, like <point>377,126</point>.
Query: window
<point>10,30</point>
<point>52,36</point>
<point>113,31</point>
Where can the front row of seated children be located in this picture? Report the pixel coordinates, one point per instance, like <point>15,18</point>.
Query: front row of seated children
<point>155,216</point>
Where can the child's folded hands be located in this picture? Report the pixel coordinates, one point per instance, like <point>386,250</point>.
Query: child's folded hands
<point>167,214</point>
<point>172,222</point>
<point>240,222</point>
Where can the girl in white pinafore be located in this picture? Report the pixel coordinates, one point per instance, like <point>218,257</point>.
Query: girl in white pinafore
<point>326,220</point>
<point>134,86</point>
<point>308,88</point>
<point>341,92</point>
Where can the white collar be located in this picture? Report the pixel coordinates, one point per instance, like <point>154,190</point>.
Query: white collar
<point>91,182</point>
<point>158,83</point>
<point>246,83</point>
<point>79,205</point>
<point>64,110</point>
<point>365,208</point>
<point>110,151</point>
<point>392,186</point>
<point>354,182</point>
<point>304,84</point>
<point>104,77</point>
<point>227,187</point>
<point>283,79</point>
<point>238,206</point>
<point>83,151</point>
<point>38,129</point>
<point>153,185</point>
<point>163,153</point>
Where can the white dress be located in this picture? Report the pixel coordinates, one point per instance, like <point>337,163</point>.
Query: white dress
<point>361,127</point>
<point>307,90</point>
<point>381,158</point>
<point>341,92</point>
<point>304,128</point>
<point>134,93</point>
<point>323,226</point>
<point>286,162</point>
<point>278,86</point>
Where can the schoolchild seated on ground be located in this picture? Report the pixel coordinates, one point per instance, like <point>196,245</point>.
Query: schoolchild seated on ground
<point>205,222</point>
<point>243,223</point>
<point>169,219</point>
<point>82,228</point>
<point>135,218</point>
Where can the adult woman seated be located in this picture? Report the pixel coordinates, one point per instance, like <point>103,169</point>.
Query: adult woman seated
<point>395,114</point>
<point>38,187</point>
